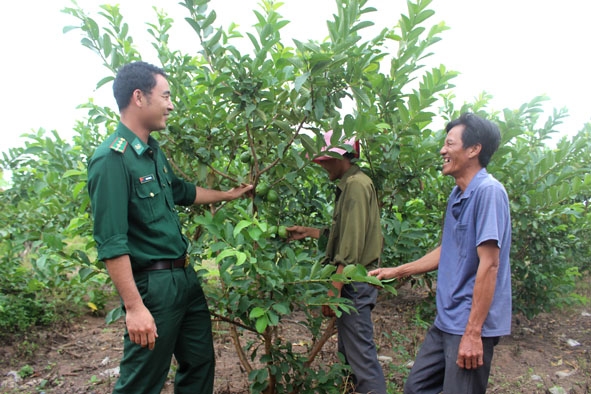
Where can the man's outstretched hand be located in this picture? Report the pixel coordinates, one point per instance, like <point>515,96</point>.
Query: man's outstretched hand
<point>300,232</point>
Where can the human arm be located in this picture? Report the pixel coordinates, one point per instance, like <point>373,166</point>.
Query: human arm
<point>208,196</point>
<point>108,186</point>
<point>138,319</point>
<point>427,263</point>
<point>300,232</point>
<point>470,352</point>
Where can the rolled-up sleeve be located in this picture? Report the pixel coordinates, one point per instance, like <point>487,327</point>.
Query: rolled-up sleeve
<point>108,186</point>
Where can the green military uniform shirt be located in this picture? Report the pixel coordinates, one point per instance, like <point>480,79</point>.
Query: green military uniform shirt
<point>133,193</point>
<point>355,235</point>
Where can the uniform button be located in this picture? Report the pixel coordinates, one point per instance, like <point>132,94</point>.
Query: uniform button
<point>151,194</point>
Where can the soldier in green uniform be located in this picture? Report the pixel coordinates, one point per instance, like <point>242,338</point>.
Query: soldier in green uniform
<point>133,192</point>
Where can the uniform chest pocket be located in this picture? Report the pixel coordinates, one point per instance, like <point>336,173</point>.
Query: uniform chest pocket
<point>149,202</point>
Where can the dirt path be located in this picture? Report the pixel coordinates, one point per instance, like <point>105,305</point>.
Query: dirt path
<point>549,354</point>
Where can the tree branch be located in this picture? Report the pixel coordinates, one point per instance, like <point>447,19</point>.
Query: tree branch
<point>318,345</point>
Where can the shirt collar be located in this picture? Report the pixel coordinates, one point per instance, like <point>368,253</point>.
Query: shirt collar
<point>137,145</point>
<point>474,183</point>
<point>350,172</point>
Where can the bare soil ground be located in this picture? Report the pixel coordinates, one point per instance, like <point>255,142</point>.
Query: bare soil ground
<point>548,354</point>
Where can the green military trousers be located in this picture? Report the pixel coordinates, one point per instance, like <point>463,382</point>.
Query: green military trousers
<point>176,301</point>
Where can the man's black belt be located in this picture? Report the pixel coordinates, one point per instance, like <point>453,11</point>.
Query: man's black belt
<point>181,262</point>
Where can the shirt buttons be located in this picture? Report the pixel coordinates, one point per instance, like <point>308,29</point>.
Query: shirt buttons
<point>151,194</point>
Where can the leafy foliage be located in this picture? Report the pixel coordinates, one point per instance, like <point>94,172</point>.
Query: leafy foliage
<point>39,236</point>
<point>549,201</point>
<point>253,117</point>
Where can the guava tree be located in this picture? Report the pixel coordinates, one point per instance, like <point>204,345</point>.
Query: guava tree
<point>253,118</point>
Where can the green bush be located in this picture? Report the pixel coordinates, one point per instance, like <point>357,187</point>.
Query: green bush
<point>43,278</point>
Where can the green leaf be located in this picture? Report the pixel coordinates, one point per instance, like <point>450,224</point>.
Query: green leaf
<point>209,20</point>
<point>424,15</point>
<point>261,324</point>
<point>82,256</point>
<point>80,186</point>
<point>319,107</point>
<point>349,124</point>
<point>361,25</point>
<point>327,271</point>
<point>104,81</point>
<point>282,309</point>
<point>69,28</point>
<point>373,281</point>
<point>114,314</point>
<point>224,254</point>
<point>256,312</point>
<point>240,258</point>
<point>194,25</point>
<point>241,225</point>
<point>86,273</point>
<point>107,46</point>
<point>300,80</point>
<point>273,318</point>
<point>70,173</point>
<point>34,286</point>
<point>315,268</point>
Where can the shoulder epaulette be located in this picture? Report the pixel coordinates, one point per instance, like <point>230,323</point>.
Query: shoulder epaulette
<point>119,145</point>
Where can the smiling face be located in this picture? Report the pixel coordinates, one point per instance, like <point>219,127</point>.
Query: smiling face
<point>457,160</point>
<point>157,105</point>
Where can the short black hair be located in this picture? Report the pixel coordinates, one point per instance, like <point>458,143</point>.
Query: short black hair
<point>132,76</point>
<point>478,130</point>
<point>350,156</point>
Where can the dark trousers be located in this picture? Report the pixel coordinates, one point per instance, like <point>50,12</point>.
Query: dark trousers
<point>435,369</point>
<point>176,301</point>
<point>356,339</point>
